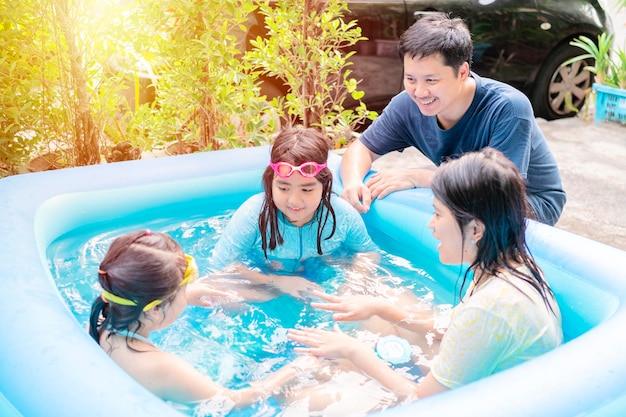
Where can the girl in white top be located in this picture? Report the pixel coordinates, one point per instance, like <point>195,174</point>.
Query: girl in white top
<point>508,313</point>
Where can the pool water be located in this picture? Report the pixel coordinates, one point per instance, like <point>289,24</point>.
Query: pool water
<point>237,342</point>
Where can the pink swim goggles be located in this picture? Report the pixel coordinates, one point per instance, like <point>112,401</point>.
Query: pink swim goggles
<point>307,169</point>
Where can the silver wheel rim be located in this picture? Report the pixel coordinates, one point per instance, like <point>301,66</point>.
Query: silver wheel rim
<point>573,79</point>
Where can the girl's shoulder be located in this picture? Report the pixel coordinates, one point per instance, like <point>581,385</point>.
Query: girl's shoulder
<point>253,205</point>
<point>255,200</point>
<point>133,355</point>
<point>506,288</point>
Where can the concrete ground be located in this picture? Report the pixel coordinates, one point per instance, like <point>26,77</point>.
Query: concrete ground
<point>592,161</point>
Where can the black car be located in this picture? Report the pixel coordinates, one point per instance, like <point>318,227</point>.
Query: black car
<point>520,42</point>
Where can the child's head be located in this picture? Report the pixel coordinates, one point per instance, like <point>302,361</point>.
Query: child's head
<point>297,182</point>
<point>485,189</point>
<point>483,194</point>
<point>304,149</point>
<point>141,271</point>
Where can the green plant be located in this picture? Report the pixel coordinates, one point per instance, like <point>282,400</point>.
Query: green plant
<point>303,48</point>
<point>619,65</point>
<point>205,92</point>
<point>618,72</point>
<point>599,52</point>
<point>71,85</point>
<point>56,94</point>
<point>16,141</point>
<point>24,98</point>
<point>70,80</point>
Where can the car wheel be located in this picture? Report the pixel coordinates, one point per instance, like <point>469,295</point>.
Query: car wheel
<point>555,83</point>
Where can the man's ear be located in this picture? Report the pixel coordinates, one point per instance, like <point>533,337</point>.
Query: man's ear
<point>464,71</point>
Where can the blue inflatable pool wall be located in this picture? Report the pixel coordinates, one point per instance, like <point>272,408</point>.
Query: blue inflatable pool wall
<point>50,366</point>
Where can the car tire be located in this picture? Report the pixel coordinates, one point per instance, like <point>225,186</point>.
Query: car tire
<point>553,82</point>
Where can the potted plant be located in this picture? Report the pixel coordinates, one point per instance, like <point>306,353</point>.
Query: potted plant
<point>610,74</point>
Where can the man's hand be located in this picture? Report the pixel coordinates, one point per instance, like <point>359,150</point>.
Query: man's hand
<point>355,163</point>
<point>385,182</point>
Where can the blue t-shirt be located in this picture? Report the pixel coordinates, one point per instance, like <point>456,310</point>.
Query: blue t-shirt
<point>500,117</point>
<point>241,238</point>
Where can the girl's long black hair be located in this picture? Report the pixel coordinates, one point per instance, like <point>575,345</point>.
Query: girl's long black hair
<point>487,186</point>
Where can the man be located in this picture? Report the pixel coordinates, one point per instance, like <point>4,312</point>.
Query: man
<point>447,110</point>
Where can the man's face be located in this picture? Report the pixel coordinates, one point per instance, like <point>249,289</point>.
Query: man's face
<point>434,87</point>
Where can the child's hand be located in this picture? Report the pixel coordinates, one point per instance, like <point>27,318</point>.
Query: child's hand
<point>306,363</point>
<point>201,293</point>
<point>335,344</point>
<point>295,286</point>
<point>348,308</point>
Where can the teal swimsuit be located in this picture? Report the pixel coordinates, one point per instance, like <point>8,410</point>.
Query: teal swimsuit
<point>241,238</point>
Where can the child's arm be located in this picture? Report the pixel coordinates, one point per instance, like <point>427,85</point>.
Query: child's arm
<point>202,293</point>
<point>293,285</point>
<point>172,378</point>
<point>361,307</point>
<point>336,344</point>
<point>239,283</point>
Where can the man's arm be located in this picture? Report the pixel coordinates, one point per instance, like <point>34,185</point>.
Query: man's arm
<point>356,162</point>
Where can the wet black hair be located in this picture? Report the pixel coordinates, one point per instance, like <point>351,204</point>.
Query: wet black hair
<point>437,33</point>
<point>486,186</point>
<point>141,267</point>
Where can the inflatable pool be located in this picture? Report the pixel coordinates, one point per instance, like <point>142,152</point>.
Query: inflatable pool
<point>50,366</point>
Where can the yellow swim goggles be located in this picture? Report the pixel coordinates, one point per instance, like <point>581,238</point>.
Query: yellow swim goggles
<point>191,273</point>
